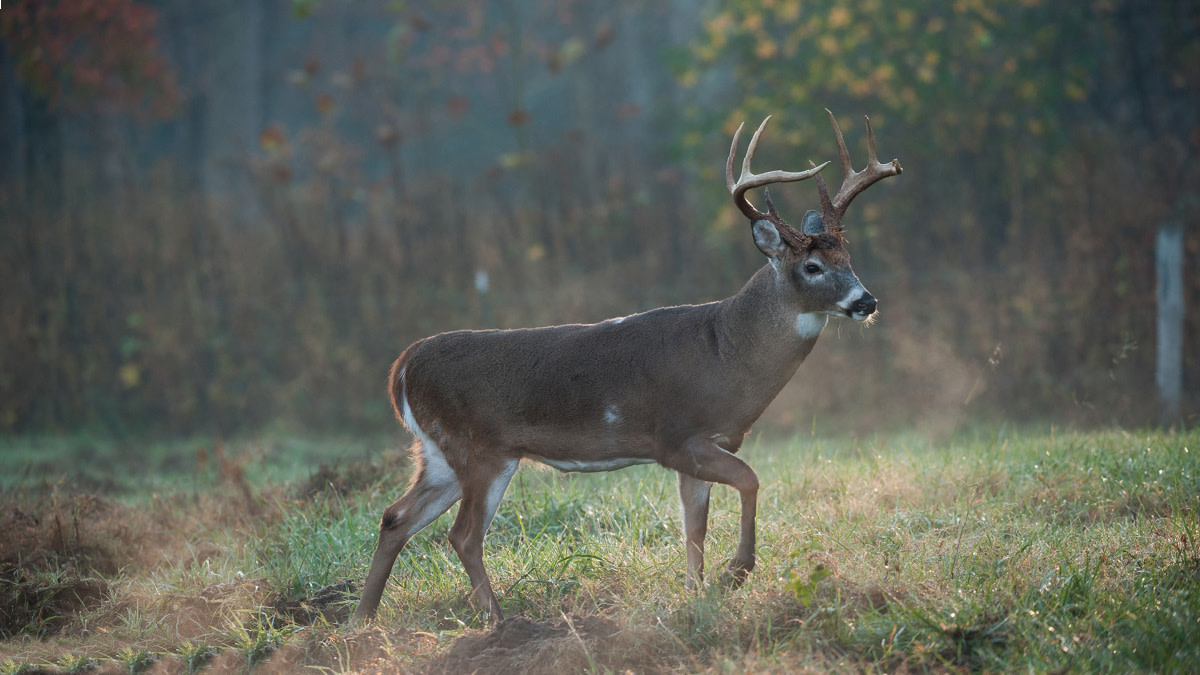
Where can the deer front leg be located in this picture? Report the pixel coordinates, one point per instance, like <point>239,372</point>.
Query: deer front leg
<point>702,459</point>
<point>693,494</point>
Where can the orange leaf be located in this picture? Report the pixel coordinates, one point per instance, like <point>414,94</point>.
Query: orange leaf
<point>457,105</point>
<point>272,138</point>
<point>324,104</point>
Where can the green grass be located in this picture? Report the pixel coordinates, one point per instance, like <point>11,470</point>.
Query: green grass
<point>136,469</point>
<point>996,552</point>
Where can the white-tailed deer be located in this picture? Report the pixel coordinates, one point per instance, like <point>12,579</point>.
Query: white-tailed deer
<point>677,386</point>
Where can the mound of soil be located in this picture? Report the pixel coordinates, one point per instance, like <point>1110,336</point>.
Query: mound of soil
<point>40,604</point>
<point>344,478</point>
<point>85,531</point>
<point>572,644</point>
<point>331,603</point>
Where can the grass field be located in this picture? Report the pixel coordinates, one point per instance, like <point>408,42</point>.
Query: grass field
<point>1003,551</point>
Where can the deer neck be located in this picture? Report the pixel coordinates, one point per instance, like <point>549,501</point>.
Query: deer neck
<point>765,330</point>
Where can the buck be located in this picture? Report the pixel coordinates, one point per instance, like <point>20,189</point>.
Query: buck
<point>676,386</point>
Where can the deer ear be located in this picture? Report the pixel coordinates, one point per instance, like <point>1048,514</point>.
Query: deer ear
<point>812,224</point>
<point>767,238</point>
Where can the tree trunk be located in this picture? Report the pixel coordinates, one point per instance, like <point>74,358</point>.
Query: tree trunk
<point>1169,377</point>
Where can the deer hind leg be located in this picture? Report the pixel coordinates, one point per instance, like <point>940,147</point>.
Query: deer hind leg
<point>693,494</point>
<point>482,492</point>
<point>434,490</point>
<point>702,459</point>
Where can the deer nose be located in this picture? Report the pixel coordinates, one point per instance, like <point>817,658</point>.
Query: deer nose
<point>865,304</point>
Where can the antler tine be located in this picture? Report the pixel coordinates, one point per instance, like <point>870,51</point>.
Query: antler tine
<point>751,148</point>
<point>854,182</point>
<point>732,153</point>
<point>872,156</point>
<point>748,179</point>
<point>843,153</point>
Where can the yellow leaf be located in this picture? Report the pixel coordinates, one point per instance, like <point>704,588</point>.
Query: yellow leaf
<point>839,16</point>
<point>129,375</point>
<point>272,138</point>
<point>512,160</point>
<point>571,50</point>
<point>788,11</point>
<point>718,27</point>
<point>707,53</point>
<point>766,49</point>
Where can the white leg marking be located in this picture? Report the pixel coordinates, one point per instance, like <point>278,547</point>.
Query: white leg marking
<point>436,469</point>
<point>698,491</point>
<point>810,325</point>
<point>430,510</point>
<point>496,492</point>
<point>691,492</point>
<point>435,472</point>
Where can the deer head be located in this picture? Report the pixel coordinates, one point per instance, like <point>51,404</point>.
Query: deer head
<point>813,261</point>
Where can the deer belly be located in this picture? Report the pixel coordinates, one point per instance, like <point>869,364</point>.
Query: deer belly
<point>591,465</point>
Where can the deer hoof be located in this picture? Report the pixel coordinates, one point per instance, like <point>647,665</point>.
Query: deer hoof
<point>736,575</point>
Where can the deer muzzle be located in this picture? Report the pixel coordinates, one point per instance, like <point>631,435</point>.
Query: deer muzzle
<point>863,307</point>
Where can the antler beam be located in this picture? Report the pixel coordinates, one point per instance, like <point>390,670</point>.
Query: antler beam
<point>749,180</point>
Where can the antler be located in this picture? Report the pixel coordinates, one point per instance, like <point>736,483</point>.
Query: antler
<point>749,180</point>
<point>852,182</point>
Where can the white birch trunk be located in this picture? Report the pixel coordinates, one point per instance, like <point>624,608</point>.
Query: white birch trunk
<point>1169,375</point>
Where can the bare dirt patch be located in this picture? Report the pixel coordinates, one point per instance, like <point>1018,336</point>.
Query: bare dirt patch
<point>571,644</point>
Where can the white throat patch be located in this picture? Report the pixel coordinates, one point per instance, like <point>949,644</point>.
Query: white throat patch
<point>809,326</point>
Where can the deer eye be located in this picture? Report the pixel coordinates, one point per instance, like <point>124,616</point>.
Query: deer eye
<point>812,268</point>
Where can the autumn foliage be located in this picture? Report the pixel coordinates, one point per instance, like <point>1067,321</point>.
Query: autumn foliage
<point>90,53</point>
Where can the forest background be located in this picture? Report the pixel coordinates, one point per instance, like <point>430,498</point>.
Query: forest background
<point>223,216</point>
